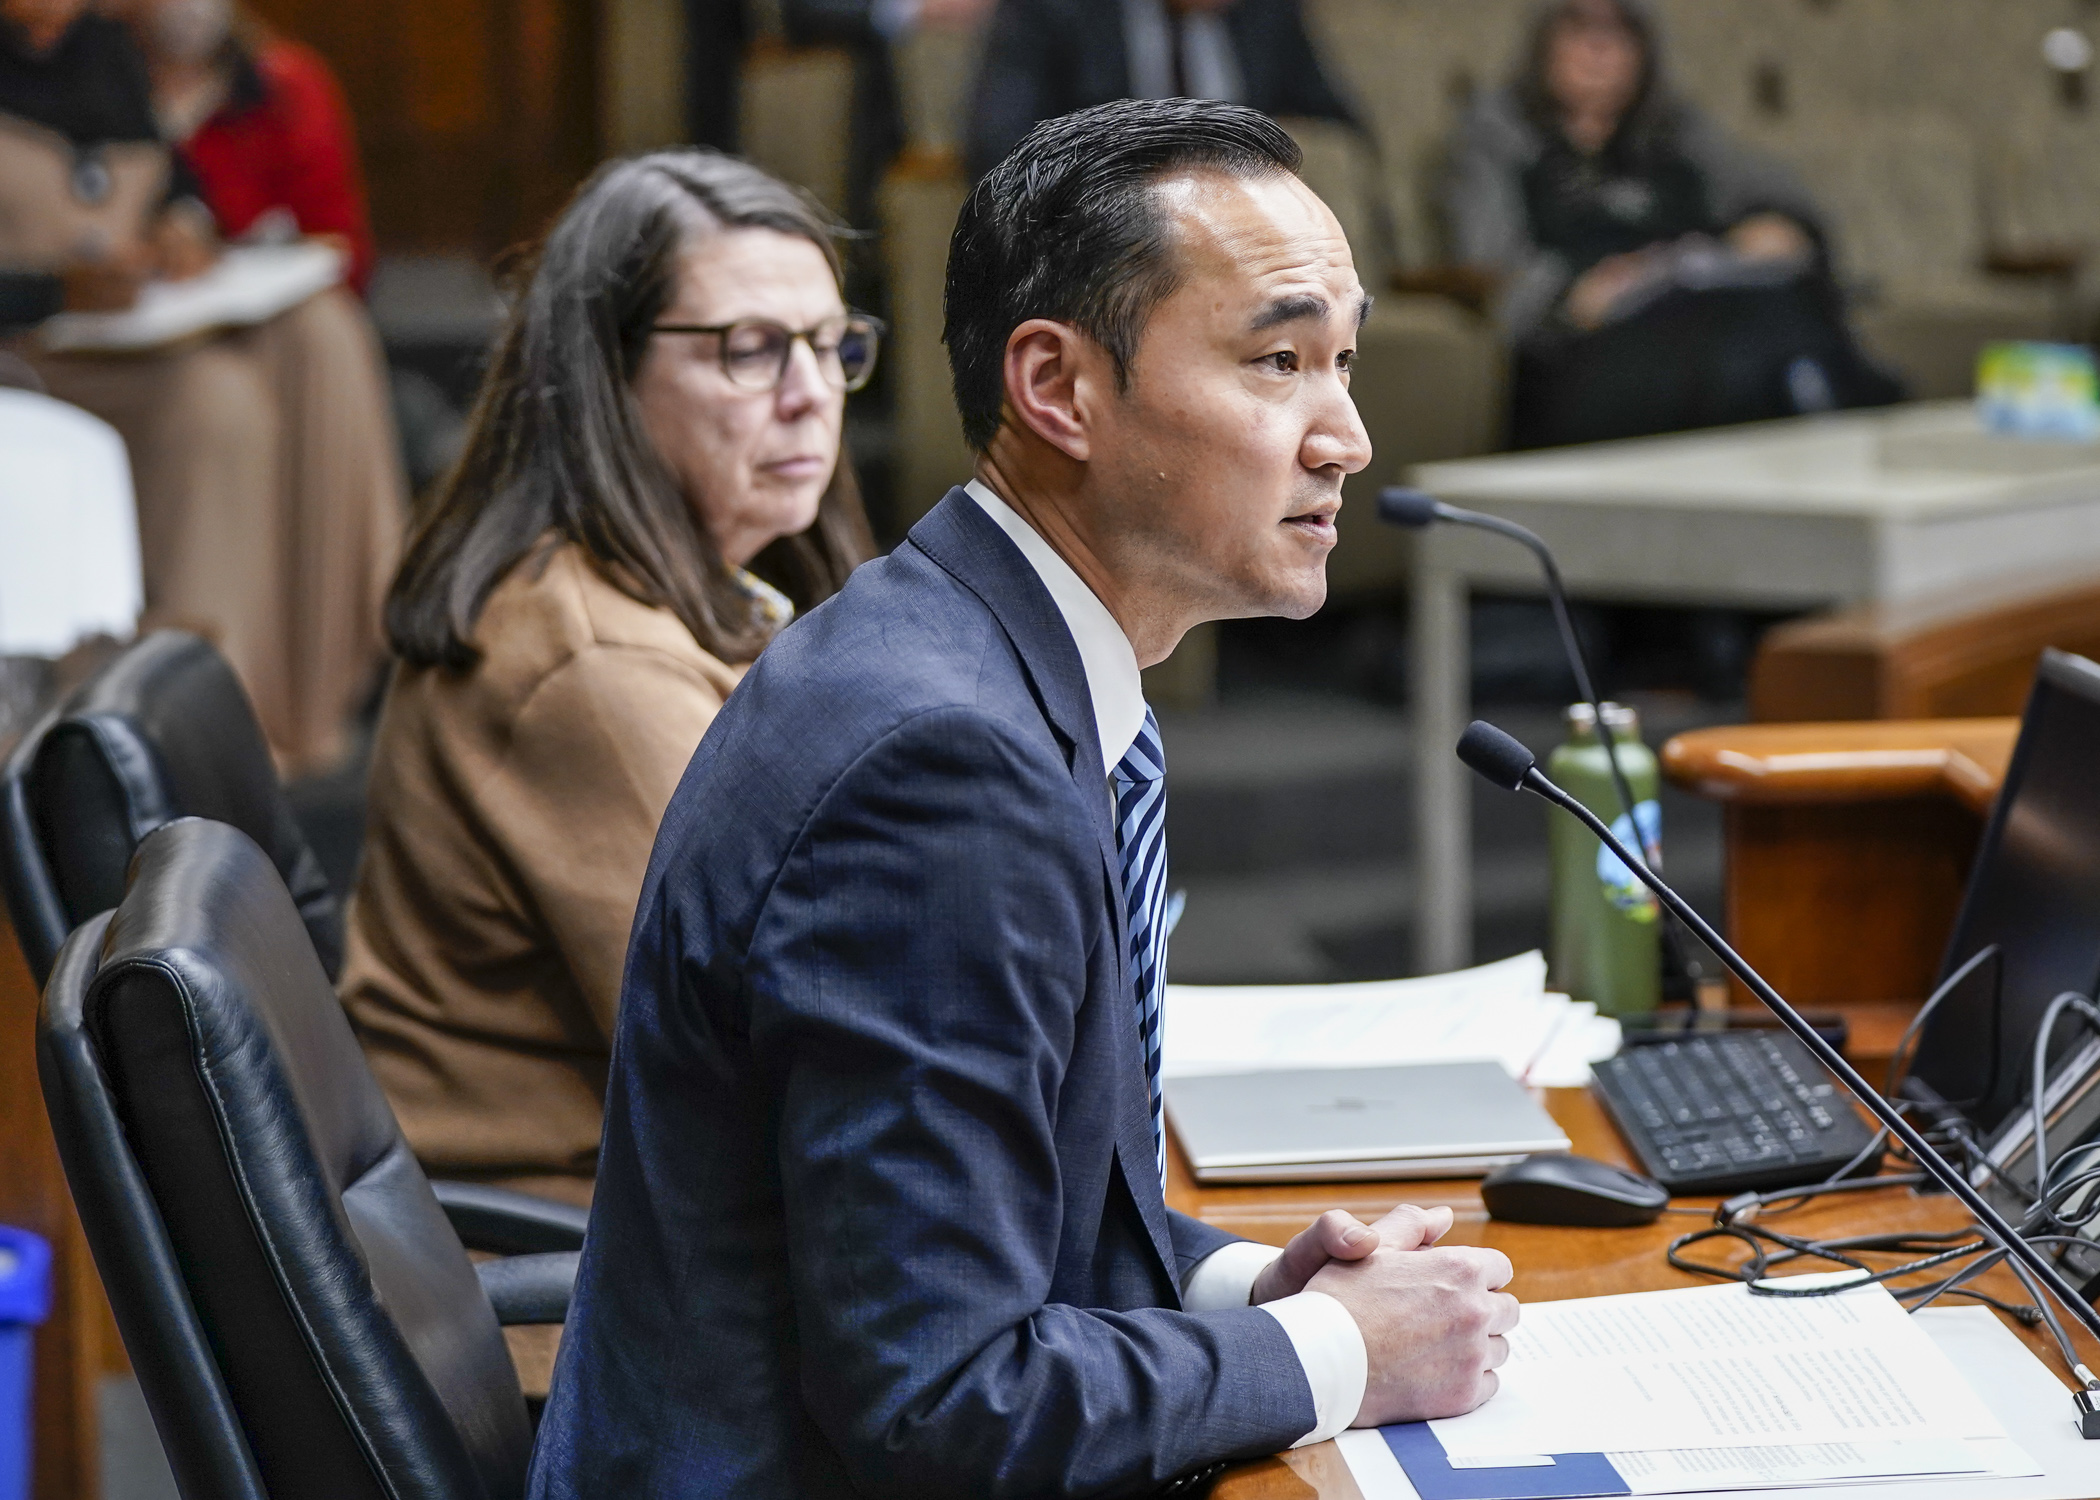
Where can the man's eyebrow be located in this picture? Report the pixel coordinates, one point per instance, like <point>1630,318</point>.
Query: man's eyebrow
<point>1289,310</point>
<point>1303,306</point>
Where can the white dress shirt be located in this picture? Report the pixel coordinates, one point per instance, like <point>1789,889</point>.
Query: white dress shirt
<point>1328,1343</point>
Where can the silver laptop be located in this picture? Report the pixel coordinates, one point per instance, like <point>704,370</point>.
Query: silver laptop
<point>1449,1119</point>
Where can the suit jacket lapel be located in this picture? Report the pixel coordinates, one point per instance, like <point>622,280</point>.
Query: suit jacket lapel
<point>969,545</point>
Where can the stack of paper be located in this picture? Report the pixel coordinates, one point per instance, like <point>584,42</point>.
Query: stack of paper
<point>1709,1388</point>
<point>1501,1011</point>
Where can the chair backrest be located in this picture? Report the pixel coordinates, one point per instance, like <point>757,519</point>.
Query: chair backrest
<point>162,731</point>
<point>301,1315</point>
<point>1902,191</point>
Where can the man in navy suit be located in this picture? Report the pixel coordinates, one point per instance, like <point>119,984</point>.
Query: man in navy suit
<point>879,1205</point>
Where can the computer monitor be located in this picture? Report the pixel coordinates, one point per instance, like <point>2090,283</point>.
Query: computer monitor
<point>2035,892</point>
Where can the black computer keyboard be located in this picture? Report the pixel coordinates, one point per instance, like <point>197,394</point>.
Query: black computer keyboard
<point>1731,1112</point>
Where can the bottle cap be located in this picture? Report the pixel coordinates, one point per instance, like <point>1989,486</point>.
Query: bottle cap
<point>1625,722</point>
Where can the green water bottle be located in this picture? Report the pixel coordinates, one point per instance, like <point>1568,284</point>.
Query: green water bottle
<point>1606,925</point>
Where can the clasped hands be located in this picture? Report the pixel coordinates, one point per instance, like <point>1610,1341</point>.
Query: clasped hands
<point>1433,1318</point>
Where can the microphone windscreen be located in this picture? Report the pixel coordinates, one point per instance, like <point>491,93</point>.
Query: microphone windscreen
<point>1400,506</point>
<point>1497,756</point>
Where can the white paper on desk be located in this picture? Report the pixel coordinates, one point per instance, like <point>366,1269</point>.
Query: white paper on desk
<point>1500,1011</point>
<point>249,284</point>
<point>1715,1367</point>
<point>2045,1459</point>
<point>1689,1470</point>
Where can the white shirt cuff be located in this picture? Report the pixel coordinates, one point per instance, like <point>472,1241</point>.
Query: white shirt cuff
<point>1331,1348</point>
<point>1225,1277</point>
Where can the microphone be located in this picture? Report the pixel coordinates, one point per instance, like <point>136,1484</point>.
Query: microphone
<point>1400,505</point>
<point>1417,510</point>
<point>1499,758</point>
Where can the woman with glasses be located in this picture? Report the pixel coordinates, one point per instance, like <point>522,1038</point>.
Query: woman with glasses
<point>651,487</point>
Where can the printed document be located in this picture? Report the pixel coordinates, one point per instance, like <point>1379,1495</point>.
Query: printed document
<point>1716,1367</point>
<point>2044,1458</point>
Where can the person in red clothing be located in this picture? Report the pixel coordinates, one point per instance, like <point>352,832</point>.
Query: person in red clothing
<point>260,120</point>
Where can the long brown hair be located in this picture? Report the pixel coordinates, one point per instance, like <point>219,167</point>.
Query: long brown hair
<point>556,445</point>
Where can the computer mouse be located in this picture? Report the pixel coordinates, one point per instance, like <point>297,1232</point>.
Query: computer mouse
<point>1554,1187</point>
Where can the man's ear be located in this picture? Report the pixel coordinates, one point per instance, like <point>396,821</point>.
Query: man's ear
<point>1049,379</point>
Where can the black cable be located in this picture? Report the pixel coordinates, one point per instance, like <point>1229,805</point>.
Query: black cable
<point>2068,1000</point>
<point>1899,1061</point>
<point>2044,1213</point>
<point>1931,1292</point>
<point>2056,1329</point>
<point>1791,1198</point>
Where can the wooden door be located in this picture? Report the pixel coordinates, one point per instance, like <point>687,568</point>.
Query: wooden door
<point>476,117</point>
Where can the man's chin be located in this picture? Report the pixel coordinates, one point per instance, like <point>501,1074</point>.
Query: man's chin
<point>1295,598</point>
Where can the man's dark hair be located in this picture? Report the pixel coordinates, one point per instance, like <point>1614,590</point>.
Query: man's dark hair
<point>1068,228</point>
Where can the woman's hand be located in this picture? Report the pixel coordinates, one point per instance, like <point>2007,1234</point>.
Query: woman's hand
<point>185,241</point>
<point>1596,291</point>
<point>109,282</point>
<point>1770,237</point>
<point>100,286</point>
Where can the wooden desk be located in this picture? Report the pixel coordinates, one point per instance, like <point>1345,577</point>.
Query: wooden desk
<point>1551,1264</point>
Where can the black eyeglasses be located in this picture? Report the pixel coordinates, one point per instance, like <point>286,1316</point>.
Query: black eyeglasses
<point>755,351</point>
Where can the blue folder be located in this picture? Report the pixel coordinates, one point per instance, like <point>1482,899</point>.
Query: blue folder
<point>1568,1477</point>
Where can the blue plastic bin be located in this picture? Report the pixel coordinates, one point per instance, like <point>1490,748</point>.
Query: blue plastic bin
<point>25,1301</point>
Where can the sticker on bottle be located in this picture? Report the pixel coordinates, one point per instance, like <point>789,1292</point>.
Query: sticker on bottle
<point>1621,888</point>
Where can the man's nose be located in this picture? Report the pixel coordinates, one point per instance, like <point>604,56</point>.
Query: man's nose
<point>1337,435</point>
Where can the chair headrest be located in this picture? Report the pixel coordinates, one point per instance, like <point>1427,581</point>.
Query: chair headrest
<point>162,731</point>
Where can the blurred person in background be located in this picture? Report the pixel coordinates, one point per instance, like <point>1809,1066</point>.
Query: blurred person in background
<point>1045,58</point>
<point>269,495</point>
<point>1654,275</point>
<point>868,30</point>
<point>260,121</point>
<point>715,34</point>
<point>652,486</point>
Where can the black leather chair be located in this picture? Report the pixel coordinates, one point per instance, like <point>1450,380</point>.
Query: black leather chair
<point>301,1315</point>
<point>162,731</point>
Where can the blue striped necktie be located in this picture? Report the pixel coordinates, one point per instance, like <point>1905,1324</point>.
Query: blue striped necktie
<point>1141,839</point>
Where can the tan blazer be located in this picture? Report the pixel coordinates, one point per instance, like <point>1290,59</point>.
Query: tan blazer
<point>511,816</point>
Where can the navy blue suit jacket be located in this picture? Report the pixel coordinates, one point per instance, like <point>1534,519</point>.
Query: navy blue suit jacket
<point>876,1209</point>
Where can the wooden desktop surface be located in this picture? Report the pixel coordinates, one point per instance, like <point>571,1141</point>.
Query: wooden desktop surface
<point>1550,1263</point>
